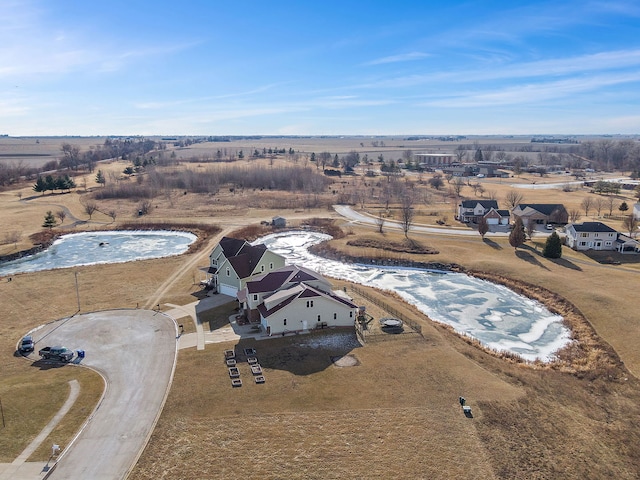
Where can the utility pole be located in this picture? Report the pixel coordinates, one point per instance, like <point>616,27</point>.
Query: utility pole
<point>77,290</point>
<point>2,410</point>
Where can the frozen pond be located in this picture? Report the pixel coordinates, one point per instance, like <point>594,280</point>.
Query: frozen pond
<point>88,248</point>
<point>493,314</point>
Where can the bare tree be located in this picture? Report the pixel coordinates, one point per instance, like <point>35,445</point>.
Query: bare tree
<point>113,214</point>
<point>458,183</point>
<point>574,215</point>
<point>461,153</point>
<point>599,204</point>
<point>531,228</point>
<point>90,208</point>
<point>144,207</point>
<point>513,198</point>
<point>407,213</point>
<point>380,221</point>
<point>630,224</point>
<point>587,203</point>
<point>610,202</point>
<point>492,195</point>
<point>61,214</point>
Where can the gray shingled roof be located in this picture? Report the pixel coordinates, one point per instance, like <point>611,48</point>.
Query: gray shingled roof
<point>486,204</point>
<point>598,227</point>
<point>544,208</point>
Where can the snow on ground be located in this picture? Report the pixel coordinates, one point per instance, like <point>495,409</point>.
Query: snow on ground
<point>88,248</point>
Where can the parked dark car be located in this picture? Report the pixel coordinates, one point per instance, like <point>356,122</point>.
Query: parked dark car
<point>62,354</point>
<point>26,344</point>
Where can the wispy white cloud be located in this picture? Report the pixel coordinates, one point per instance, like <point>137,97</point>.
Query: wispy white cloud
<point>616,59</point>
<point>602,62</point>
<point>403,57</point>
<point>533,93</point>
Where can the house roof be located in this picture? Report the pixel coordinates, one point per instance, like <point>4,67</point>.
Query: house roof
<point>593,227</point>
<point>282,298</point>
<point>289,274</point>
<point>626,240</point>
<point>544,208</point>
<point>486,204</point>
<point>498,213</point>
<point>231,246</point>
<point>245,262</point>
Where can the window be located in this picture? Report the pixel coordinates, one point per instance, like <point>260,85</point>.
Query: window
<point>351,314</point>
<point>271,266</point>
<point>611,235</point>
<point>262,268</point>
<point>228,272</point>
<point>309,303</point>
<point>608,244</point>
<point>584,235</point>
<point>318,317</point>
<point>335,316</point>
<point>582,244</point>
<point>255,298</point>
<point>284,322</point>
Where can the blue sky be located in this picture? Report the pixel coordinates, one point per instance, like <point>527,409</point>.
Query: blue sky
<point>319,68</point>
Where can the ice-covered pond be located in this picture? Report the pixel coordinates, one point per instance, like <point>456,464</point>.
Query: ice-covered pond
<point>88,248</point>
<point>495,315</point>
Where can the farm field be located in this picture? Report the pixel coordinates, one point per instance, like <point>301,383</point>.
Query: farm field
<point>395,411</point>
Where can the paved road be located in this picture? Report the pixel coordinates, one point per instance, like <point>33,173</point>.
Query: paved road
<point>135,350</point>
<point>351,214</point>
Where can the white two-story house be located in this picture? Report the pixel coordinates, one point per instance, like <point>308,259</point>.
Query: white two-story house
<point>590,236</point>
<point>293,299</point>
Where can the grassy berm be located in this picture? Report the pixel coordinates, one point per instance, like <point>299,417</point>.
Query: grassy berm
<point>395,412</point>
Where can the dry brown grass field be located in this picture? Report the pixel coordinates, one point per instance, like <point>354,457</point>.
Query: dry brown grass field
<point>394,414</point>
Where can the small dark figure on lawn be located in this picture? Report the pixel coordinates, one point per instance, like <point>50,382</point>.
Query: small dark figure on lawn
<point>461,400</point>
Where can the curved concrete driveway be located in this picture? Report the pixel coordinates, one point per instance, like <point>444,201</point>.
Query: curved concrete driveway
<point>135,350</point>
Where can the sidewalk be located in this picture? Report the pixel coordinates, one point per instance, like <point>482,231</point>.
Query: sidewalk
<point>20,468</point>
<point>192,310</point>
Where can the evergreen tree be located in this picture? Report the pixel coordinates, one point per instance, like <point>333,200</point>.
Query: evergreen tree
<point>49,220</point>
<point>517,235</point>
<point>100,177</point>
<point>50,182</point>
<point>40,186</point>
<point>553,246</point>
<point>478,156</point>
<point>623,207</point>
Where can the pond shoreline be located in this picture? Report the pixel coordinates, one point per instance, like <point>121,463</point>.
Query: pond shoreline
<point>586,355</point>
<point>44,239</point>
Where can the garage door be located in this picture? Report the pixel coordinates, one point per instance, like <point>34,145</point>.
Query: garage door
<point>493,221</point>
<point>228,290</point>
